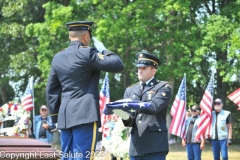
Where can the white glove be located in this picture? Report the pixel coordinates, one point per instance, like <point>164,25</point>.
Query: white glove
<point>56,124</point>
<point>124,115</point>
<point>99,45</point>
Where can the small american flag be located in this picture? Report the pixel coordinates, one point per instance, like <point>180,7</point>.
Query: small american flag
<point>178,111</point>
<point>104,94</point>
<point>205,122</point>
<point>27,101</point>
<point>104,99</point>
<point>235,97</point>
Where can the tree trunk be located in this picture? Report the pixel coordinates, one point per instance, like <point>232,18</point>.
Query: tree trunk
<point>222,87</point>
<point>66,2</point>
<point>3,94</point>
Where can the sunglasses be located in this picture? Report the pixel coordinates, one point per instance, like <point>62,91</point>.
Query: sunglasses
<point>194,110</point>
<point>216,103</point>
<point>43,109</point>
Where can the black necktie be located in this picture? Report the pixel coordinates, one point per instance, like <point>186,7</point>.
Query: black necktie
<point>142,86</point>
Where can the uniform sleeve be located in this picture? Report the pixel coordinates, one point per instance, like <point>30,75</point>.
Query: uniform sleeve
<point>160,101</point>
<point>108,61</point>
<point>53,95</point>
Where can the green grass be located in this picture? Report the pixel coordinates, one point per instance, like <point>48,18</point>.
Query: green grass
<point>177,152</point>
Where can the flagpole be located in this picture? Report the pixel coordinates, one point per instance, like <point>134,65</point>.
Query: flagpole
<point>185,89</point>
<point>212,76</point>
<point>31,82</point>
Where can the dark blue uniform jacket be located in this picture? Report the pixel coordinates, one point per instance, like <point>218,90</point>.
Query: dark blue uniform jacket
<point>72,89</point>
<point>149,132</point>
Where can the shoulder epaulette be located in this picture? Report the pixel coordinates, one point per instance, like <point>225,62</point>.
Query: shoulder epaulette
<point>165,82</point>
<point>62,50</point>
<point>133,84</point>
<point>161,81</point>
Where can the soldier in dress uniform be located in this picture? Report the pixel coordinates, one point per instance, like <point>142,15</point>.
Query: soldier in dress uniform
<point>72,90</point>
<point>149,134</point>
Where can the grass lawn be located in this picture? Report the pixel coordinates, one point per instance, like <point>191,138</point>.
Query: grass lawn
<point>177,152</point>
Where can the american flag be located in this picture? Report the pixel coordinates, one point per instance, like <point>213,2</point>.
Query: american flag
<point>235,97</point>
<point>205,122</point>
<point>104,99</point>
<point>104,94</point>
<point>27,101</point>
<point>178,111</point>
<point>126,105</point>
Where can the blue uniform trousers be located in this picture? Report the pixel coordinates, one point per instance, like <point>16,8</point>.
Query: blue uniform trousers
<point>193,151</point>
<point>151,156</point>
<point>217,146</point>
<point>79,142</point>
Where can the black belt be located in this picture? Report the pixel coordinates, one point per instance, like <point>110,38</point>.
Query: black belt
<point>42,137</point>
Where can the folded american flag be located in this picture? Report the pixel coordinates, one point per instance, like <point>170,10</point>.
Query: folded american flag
<point>127,105</point>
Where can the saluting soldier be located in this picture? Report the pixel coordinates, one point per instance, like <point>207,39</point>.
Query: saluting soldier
<point>149,135</point>
<point>72,90</point>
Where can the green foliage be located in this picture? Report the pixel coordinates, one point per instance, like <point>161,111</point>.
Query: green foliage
<point>192,37</point>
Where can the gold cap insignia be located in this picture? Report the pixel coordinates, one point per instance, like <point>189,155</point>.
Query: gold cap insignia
<point>141,55</point>
<point>163,94</point>
<point>151,83</point>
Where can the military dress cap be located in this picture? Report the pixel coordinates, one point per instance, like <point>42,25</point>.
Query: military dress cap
<point>147,59</point>
<point>80,25</point>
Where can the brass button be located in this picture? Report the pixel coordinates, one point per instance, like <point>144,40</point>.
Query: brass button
<point>159,129</point>
<point>140,115</point>
<point>139,121</point>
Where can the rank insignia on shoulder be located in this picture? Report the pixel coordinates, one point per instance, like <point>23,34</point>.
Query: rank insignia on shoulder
<point>163,94</point>
<point>101,56</point>
<point>167,85</point>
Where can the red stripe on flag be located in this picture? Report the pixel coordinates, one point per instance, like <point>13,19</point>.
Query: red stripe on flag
<point>205,122</point>
<point>27,102</point>
<point>178,111</point>
<point>104,99</point>
<point>235,97</point>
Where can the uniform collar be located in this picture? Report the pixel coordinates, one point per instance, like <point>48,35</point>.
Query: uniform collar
<point>147,81</point>
<point>76,43</point>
